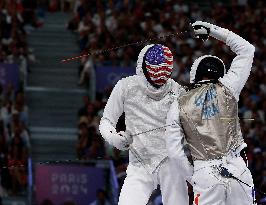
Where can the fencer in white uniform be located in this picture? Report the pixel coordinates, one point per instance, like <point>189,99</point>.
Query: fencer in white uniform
<point>208,116</point>
<point>145,98</point>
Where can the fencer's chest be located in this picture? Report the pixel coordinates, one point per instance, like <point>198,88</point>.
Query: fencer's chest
<point>141,105</point>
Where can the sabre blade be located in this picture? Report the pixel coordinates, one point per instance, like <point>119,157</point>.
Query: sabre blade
<point>125,45</point>
<point>157,128</point>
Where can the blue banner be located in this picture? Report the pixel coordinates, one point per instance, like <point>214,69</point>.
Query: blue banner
<point>9,74</point>
<point>61,183</point>
<point>108,76</point>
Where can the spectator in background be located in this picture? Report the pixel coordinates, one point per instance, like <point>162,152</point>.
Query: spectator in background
<point>10,93</point>
<point>25,135</point>
<point>90,145</point>
<point>97,149</point>
<point>88,78</point>
<point>21,108</point>
<point>47,202</point>
<point>85,27</point>
<point>101,198</point>
<point>17,162</point>
<point>4,178</point>
<point>14,142</point>
<point>69,203</point>
<point>6,114</point>
<point>83,110</point>
<point>91,112</point>
<point>17,18</point>
<point>84,138</point>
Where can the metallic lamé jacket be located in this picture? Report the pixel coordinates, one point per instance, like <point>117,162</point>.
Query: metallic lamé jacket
<point>209,116</point>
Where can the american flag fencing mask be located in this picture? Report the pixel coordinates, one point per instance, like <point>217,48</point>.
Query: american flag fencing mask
<point>158,65</point>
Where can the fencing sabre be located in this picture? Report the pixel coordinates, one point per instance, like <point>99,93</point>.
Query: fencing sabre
<point>189,31</point>
<point>157,128</point>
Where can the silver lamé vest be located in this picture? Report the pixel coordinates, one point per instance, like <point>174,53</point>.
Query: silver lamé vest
<point>209,116</point>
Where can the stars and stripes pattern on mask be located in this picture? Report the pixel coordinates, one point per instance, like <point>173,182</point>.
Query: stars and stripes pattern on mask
<point>159,64</point>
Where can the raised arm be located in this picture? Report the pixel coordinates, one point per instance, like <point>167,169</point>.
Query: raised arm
<point>112,111</point>
<point>239,71</point>
<point>240,68</point>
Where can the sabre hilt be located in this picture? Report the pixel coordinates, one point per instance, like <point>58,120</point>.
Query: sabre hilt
<point>202,36</point>
<point>225,173</point>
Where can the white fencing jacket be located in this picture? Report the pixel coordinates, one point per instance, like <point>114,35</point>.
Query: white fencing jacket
<point>145,108</point>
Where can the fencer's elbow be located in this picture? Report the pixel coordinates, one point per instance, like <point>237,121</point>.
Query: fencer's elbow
<point>250,50</point>
<point>105,133</point>
<point>105,128</point>
<point>247,49</point>
<point>240,46</point>
<point>102,126</point>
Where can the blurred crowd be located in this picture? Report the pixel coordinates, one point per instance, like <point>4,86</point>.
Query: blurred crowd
<point>17,18</point>
<point>108,24</point>
<point>14,142</point>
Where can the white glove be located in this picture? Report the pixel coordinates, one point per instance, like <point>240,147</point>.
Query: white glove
<point>128,138</point>
<point>121,140</point>
<point>203,30</point>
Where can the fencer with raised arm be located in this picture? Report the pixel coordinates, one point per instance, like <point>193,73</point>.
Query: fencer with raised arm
<point>208,116</point>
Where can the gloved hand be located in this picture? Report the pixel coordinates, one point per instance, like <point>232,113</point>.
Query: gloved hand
<point>121,140</point>
<point>128,138</point>
<point>203,30</point>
